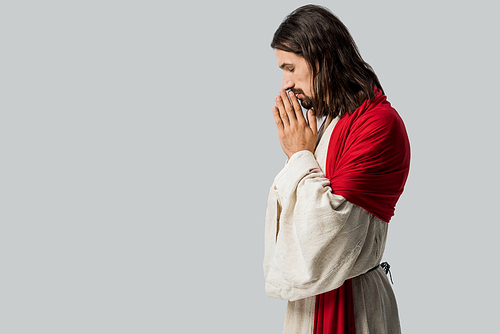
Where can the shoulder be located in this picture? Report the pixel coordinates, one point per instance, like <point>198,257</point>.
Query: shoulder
<point>379,117</point>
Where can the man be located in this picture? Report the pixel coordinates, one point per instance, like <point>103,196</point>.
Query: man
<point>329,208</point>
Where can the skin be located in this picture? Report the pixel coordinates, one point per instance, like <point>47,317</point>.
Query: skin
<point>294,132</point>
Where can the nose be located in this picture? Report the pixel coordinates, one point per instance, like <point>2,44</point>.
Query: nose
<point>287,83</point>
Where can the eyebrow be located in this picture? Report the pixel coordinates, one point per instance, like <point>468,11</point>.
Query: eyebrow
<point>282,66</point>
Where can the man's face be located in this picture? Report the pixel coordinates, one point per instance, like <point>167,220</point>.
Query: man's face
<point>297,76</point>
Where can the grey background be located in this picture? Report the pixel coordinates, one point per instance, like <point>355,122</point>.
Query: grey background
<point>138,146</point>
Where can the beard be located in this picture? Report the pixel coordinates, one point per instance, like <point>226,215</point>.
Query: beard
<point>306,102</point>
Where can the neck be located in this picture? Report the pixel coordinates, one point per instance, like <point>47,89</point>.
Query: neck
<point>328,121</point>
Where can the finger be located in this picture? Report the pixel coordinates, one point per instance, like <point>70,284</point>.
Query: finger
<point>288,106</point>
<point>296,107</point>
<point>313,122</point>
<point>277,119</point>
<point>282,112</point>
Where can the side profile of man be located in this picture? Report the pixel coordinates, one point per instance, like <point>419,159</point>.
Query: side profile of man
<point>329,208</point>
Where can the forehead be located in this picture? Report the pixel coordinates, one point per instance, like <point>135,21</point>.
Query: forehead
<point>284,57</point>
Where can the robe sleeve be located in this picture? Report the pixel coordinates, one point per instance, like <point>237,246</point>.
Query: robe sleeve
<point>313,237</point>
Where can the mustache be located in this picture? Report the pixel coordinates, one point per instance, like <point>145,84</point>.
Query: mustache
<point>298,91</point>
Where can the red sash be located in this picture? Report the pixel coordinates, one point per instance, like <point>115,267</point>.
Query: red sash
<point>334,312</point>
<point>368,157</point>
<point>368,162</point>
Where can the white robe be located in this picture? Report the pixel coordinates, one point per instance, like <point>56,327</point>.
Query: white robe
<point>315,240</point>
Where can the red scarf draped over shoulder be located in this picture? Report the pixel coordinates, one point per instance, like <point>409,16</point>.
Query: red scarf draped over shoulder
<point>368,158</point>
<point>368,162</point>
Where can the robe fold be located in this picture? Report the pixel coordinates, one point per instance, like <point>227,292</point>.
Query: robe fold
<point>316,239</point>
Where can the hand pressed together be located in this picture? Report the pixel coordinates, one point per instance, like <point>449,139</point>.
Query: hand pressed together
<point>294,132</point>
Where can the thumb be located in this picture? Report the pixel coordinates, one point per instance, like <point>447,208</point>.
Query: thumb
<point>313,123</point>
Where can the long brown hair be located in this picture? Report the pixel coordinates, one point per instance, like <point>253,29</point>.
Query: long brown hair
<point>342,80</point>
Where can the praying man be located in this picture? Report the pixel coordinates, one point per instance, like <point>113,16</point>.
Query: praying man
<point>329,208</point>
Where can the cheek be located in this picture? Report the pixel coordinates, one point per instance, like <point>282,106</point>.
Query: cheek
<point>310,87</point>
<point>307,87</point>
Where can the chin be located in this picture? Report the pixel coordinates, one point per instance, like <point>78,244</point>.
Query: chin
<point>306,103</point>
